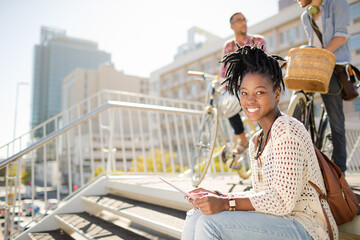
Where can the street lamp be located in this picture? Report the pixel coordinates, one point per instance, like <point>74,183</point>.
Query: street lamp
<point>16,104</point>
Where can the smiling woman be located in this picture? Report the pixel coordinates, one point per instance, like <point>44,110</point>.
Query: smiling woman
<point>282,203</point>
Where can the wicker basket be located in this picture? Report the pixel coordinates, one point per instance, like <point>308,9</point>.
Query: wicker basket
<point>309,69</point>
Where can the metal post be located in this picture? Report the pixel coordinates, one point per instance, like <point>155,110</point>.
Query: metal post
<point>16,104</point>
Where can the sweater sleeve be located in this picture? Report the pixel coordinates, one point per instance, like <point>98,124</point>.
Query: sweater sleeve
<point>282,174</point>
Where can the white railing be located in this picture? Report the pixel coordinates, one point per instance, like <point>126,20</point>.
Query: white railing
<point>83,107</point>
<point>116,138</point>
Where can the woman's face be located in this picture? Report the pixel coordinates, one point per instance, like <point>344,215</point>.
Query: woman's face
<point>257,97</point>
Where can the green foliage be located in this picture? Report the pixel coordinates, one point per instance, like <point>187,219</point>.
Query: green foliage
<point>99,170</point>
<point>25,177</point>
<point>149,161</point>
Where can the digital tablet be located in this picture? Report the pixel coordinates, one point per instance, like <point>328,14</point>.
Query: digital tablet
<point>177,188</point>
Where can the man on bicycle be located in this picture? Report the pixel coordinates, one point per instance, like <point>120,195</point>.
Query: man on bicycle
<point>331,19</point>
<point>238,24</point>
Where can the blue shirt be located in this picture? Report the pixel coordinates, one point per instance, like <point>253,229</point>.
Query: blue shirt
<point>335,17</point>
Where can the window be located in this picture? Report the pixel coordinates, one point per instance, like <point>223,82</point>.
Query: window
<point>180,93</point>
<point>300,30</point>
<point>283,37</point>
<point>269,42</point>
<point>292,34</point>
<point>193,90</point>
<point>355,41</point>
<point>355,10</point>
<point>179,77</point>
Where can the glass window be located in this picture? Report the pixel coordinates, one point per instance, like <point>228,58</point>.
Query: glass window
<point>355,41</point>
<point>269,41</point>
<point>283,37</point>
<point>180,93</point>
<point>300,31</point>
<point>179,76</point>
<point>292,34</point>
<point>355,10</point>
<point>193,90</point>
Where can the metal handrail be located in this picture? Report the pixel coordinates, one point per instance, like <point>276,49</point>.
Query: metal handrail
<point>109,104</point>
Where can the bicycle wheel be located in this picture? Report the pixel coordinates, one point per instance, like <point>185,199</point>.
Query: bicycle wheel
<point>321,132</point>
<point>324,141</point>
<point>204,146</point>
<point>297,107</point>
<point>243,161</point>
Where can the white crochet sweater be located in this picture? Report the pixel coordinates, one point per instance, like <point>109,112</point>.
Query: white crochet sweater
<point>288,163</point>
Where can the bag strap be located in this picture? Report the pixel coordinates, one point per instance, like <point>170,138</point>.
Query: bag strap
<point>323,196</point>
<point>316,29</point>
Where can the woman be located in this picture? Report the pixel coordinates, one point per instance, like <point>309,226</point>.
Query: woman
<point>282,203</point>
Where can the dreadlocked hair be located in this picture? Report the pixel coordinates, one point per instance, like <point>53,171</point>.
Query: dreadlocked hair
<point>249,59</point>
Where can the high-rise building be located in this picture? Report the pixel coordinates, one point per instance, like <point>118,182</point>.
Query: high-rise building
<point>55,57</point>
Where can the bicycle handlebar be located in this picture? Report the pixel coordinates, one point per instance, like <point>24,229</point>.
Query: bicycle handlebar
<point>203,75</point>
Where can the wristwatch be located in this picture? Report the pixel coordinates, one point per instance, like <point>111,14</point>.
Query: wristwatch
<point>232,203</point>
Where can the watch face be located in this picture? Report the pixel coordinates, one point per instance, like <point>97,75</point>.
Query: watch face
<point>232,203</point>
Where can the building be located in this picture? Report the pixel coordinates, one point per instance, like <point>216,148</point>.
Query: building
<point>109,84</point>
<point>82,83</point>
<point>54,58</point>
<point>281,31</point>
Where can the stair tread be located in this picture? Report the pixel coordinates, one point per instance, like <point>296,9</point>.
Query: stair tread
<point>98,228</point>
<point>163,215</point>
<point>51,235</point>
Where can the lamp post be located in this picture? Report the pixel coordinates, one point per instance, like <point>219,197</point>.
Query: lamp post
<point>16,104</point>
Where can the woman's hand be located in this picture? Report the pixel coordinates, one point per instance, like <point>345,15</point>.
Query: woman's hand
<point>198,192</point>
<point>207,201</point>
<point>211,204</point>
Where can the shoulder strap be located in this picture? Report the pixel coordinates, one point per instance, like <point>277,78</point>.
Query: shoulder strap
<point>316,29</point>
<point>322,196</point>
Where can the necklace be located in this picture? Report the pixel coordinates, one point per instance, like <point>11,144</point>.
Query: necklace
<point>260,150</point>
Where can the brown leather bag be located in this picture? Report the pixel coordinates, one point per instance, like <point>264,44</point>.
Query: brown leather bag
<point>346,76</point>
<point>341,199</point>
<point>347,81</point>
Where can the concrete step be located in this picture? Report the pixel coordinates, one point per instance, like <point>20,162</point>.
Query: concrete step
<point>50,235</point>
<point>158,218</point>
<point>87,226</point>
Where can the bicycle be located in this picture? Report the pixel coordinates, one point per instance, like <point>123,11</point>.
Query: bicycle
<point>210,129</point>
<point>301,105</point>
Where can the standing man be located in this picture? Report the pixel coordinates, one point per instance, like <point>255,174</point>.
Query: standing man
<point>239,26</point>
<point>331,18</point>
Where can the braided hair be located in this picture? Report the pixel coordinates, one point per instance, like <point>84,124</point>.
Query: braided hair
<point>249,59</point>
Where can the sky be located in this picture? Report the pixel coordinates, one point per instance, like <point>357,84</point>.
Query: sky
<point>141,36</point>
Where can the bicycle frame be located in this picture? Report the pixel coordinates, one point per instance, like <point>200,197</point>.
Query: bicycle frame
<point>208,133</point>
<point>316,133</point>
